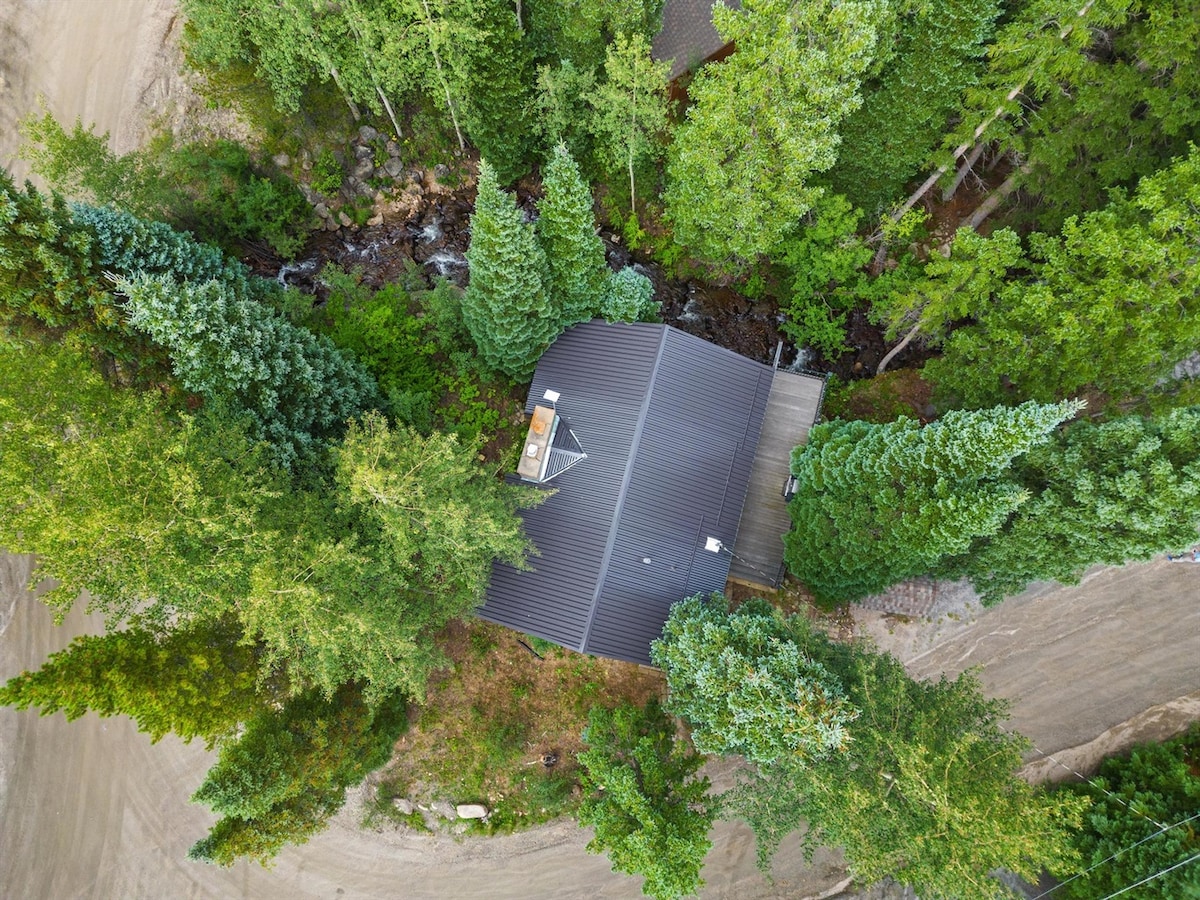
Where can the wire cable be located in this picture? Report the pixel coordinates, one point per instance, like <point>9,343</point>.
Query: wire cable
<point>1150,878</point>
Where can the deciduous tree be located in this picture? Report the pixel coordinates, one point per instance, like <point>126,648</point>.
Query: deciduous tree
<point>651,813</point>
<point>764,121</point>
<point>746,687</point>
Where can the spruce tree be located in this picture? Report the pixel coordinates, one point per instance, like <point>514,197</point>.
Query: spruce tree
<point>1105,492</point>
<point>506,306</point>
<point>877,504</point>
<point>576,269</point>
<point>198,681</point>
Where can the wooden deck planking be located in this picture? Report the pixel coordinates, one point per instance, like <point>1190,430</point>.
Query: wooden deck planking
<point>792,409</point>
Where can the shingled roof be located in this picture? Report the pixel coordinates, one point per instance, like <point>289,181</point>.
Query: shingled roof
<point>687,37</point>
<point>669,424</point>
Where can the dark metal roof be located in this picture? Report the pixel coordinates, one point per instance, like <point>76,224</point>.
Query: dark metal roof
<point>669,423</point>
<point>687,37</point>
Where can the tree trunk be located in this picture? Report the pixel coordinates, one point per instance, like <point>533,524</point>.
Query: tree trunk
<point>337,79</point>
<point>437,61</point>
<point>963,170</point>
<point>632,125</point>
<point>996,197</point>
<point>891,354</point>
<point>391,115</point>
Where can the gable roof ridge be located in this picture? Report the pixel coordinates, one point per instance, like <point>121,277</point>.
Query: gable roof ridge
<point>619,506</point>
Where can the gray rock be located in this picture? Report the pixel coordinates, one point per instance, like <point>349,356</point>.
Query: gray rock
<point>471,811</point>
<point>393,149</point>
<point>362,152</point>
<point>375,220</point>
<point>404,806</point>
<point>364,168</point>
<point>366,134</point>
<point>394,166</point>
<point>331,224</point>
<point>282,160</point>
<point>321,210</point>
<point>344,219</point>
<point>440,171</point>
<point>443,808</point>
<point>305,160</point>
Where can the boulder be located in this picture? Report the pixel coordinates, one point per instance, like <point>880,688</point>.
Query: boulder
<point>366,134</point>
<point>442,808</point>
<point>364,168</point>
<point>344,219</point>
<point>375,219</point>
<point>404,806</point>
<point>471,811</point>
<point>394,166</point>
<point>321,210</point>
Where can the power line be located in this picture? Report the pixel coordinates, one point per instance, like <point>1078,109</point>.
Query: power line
<point>1150,878</point>
<point>1114,856</point>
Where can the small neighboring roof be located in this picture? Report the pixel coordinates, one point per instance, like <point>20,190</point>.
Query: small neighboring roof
<point>669,424</point>
<point>687,37</point>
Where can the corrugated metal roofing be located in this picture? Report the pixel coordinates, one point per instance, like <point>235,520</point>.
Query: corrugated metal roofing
<point>687,37</point>
<point>669,423</point>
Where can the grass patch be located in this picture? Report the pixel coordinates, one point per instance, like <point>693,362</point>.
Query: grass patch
<point>495,717</point>
<point>881,399</point>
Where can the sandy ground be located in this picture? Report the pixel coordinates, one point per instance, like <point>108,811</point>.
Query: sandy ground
<point>90,809</point>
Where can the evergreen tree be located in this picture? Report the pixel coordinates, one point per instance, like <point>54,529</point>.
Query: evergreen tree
<point>506,306</point>
<point>877,504</point>
<point>628,296</point>
<point>746,687</point>
<point>764,121</point>
<point>1107,492</point>
<point>904,111</point>
<point>198,681</point>
<point>1111,303</point>
<point>574,254</point>
<point>295,388</point>
<point>287,774</point>
<point>651,814</point>
<point>1141,828</point>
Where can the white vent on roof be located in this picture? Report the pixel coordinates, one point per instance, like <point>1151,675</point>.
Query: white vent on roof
<point>713,545</point>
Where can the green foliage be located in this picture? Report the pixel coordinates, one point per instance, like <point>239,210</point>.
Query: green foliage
<point>506,307</point>
<point>1099,493</point>
<point>1110,303</point>
<point>327,173</point>
<point>295,389</point>
<point>765,121</point>
<point>629,111</point>
<point>494,76</point>
<point>147,514</point>
<point>822,262</point>
<point>925,790</point>
<point>579,33</point>
<point>214,189</point>
<point>560,113</point>
<point>651,814</point>
<point>1121,841</point>
<point>196,681</point>
<point>747,686</point>
<point>574,254</point>
<point>877,504</point>
<point>905,110</point>
<point>628,296</point>
<point>287,774</point>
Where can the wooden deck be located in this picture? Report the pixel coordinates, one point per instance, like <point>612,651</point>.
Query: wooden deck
<point>792,409</point>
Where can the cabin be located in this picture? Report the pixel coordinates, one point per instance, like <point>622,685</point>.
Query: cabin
<point>687,38</point>
<point>652,440</point>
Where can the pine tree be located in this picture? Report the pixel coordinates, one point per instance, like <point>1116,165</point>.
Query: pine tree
<point>506,306</point>
<point>198,681</point>
<point>296,388</point>
<point>1108,492</point>
<point>877,504</point>
<point>576,270</point>
<point>628,296</point>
